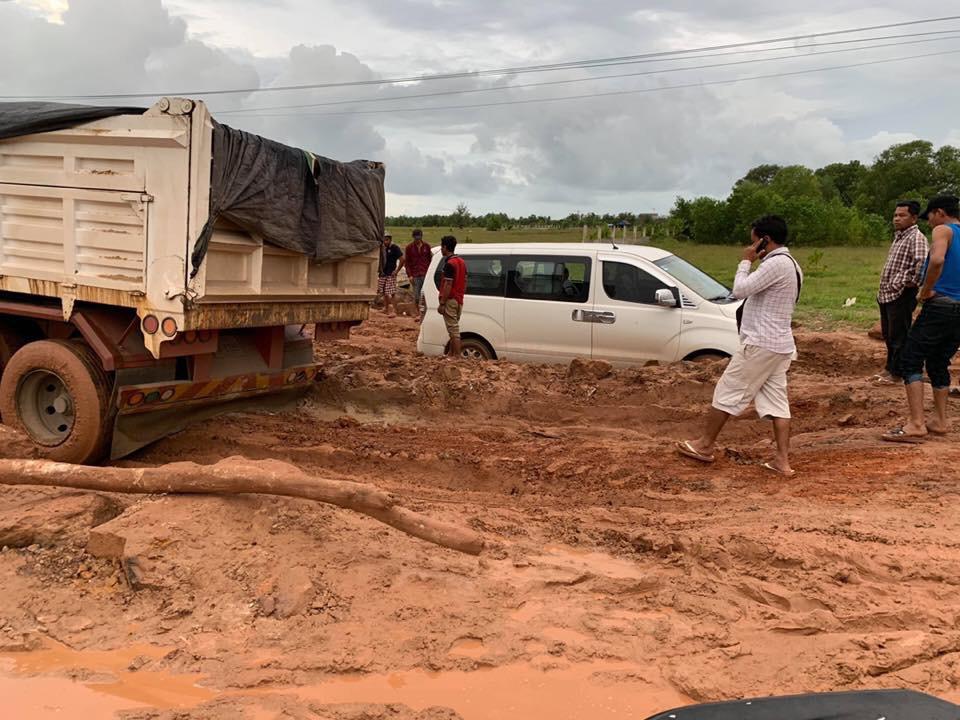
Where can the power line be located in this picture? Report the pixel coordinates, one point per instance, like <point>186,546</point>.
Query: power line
<point>613,93</point>
<point>481,73</point>
<point>255,111</point>
<point>617,64</point>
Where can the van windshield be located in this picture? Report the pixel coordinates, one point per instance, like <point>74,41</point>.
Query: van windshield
<point>694,278</point>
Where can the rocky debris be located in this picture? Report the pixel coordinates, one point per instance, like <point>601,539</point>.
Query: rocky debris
<point>581,369</point>
<point>45,518</point>
<point>449,372</point>
<point>104,543</point>
<point>77,624</point>
<point>294,593</point>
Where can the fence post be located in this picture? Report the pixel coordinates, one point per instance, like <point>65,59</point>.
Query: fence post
<point>584,238</point>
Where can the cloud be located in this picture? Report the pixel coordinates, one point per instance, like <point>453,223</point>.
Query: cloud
<point>52,10</point>
<point>634,151</point>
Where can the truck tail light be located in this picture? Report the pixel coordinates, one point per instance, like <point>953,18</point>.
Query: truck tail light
<point>169,327</point>
<point>151,324</point>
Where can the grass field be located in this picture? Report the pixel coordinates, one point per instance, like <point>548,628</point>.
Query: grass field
<point>833,274</point>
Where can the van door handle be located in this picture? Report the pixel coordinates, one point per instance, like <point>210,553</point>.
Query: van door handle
<point>577,316</point>
<point>605,318</point>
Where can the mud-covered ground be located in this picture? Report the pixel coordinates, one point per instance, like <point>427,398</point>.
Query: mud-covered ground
<point>619,580</point>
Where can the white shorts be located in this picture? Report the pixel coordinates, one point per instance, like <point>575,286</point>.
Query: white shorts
<point>754,375</point>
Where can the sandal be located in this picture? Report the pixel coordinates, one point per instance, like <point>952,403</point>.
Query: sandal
<point>773,468</point>
<point>899,435</point>
<point>687,450</point>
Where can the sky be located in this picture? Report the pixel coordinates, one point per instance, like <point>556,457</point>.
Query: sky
<point>672,128</point>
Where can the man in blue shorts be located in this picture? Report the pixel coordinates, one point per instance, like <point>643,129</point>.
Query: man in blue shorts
<point>935,336</point>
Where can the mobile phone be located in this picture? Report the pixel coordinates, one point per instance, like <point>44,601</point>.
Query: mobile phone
<point>762,245</point>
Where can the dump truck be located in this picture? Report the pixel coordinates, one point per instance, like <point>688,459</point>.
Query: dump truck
<point>157,268</point>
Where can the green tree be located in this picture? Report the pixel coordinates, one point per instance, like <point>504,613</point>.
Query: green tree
<point>709,221</point>
<point>898,169</point>
<point>761,174</point>
<point>796,181</point>
<point>746,203</point>
<point>842,179</point>
<point>947,162</point>
<point>460,216</point>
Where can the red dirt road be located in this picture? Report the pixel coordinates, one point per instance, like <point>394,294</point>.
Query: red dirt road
<point>620,579</point>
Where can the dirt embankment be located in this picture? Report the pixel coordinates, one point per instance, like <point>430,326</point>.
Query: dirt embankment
<point>619,578</point>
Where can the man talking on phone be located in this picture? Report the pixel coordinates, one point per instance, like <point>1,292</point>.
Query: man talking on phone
<point>757,373</point>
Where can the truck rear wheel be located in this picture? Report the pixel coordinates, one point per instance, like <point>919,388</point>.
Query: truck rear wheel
<point>59,395</point>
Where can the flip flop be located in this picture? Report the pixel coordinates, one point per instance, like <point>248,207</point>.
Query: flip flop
<point>954,392</point>
<point>687,450</point>
<point>773,468</point>
<point>898,435</point>
<point>880,380</point>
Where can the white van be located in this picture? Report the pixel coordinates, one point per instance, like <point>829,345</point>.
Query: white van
<point>540,302</point>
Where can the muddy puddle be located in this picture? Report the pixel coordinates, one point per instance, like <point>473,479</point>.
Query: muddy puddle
<point>598,690</point>
<point>59,682</point>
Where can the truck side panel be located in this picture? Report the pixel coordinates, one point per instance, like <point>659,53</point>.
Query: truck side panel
<point>98,213</point>
<point>242,268</point>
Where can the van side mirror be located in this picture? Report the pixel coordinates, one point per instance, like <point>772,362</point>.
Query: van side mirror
<point>668,297</point>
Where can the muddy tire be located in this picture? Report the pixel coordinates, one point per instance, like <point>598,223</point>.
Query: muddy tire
<point>707,358</point>
<point>58,394</point>
<point>474,349</point>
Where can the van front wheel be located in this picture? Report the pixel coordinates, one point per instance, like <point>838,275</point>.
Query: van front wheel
<point>707,358</point>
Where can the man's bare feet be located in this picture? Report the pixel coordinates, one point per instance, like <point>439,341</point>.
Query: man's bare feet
<point>913,430</point>
<point>936,427</point>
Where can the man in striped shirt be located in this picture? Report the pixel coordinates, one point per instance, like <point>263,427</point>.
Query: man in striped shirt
<point>898,285</point>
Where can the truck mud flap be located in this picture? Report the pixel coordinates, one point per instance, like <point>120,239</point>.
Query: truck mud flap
<point>145,413</point>
<point>132,432</point>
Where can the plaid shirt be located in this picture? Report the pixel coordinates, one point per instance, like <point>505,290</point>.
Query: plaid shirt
<point>904,264</point>
<point>771,292</point>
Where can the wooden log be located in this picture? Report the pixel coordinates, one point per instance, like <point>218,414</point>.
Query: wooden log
<point>241,476</point>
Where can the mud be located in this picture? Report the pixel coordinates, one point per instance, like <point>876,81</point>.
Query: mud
<point>620,580</point>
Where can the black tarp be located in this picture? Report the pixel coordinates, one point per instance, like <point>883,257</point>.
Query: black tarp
<point>322,208</point>
<point>863,705</point>
<point>27,118</point>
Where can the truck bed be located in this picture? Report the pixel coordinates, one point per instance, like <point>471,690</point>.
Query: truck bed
<point>107,213</point>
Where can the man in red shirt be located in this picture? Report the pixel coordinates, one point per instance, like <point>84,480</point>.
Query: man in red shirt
<point>452,289</point>
<point>417,260</point>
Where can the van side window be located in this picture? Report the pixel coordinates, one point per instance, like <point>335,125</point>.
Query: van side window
<point>629,283</point>
<point>486,274</point>
<point>557,278</point>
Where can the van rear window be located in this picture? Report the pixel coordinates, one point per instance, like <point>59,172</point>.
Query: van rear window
<point>486,274</point>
